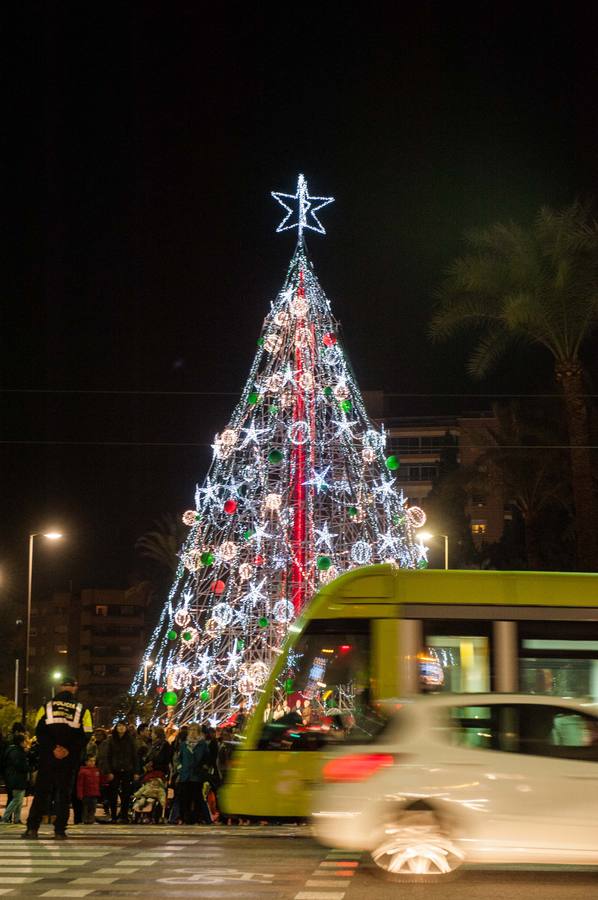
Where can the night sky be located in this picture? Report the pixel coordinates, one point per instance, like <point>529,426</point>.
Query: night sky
<point>142,254</point>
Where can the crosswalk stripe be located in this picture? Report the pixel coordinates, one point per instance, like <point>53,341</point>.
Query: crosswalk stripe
<point>66,892</point>
<point>30,870</point>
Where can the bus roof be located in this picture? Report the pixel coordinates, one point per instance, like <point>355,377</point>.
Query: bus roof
<point>384,585</point>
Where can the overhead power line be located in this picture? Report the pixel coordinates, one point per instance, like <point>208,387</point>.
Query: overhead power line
<point>139,393</point>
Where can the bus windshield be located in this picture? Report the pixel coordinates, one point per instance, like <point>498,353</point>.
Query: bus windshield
<point>323,692</point>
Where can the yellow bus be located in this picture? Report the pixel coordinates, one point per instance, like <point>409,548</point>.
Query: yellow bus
<point>378,633</point>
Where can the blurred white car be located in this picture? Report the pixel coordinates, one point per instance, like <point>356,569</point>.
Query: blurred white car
<point>453,779</point>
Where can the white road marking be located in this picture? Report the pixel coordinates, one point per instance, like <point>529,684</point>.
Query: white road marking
<point>30,870</point>
<point>14,879</point>
<point>65,892</point>
<point>320,895</point>
<point>11,861</point>
<point>116,871</point>
<point>91,880</point>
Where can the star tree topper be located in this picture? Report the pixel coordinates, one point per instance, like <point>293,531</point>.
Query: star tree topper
<point>305,209</point>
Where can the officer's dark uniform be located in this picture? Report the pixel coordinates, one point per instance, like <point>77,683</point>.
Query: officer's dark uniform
<point>62,722</point>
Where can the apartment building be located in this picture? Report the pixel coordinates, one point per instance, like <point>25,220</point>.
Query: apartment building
<point>96,634</point>
<point>420,441</point>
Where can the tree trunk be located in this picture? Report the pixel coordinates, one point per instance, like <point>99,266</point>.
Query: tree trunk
<point>570,376</point>
<point>532,544</point>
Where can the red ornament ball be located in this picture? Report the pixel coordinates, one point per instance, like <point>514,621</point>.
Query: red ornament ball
<point>218,587</point>
<point>329,339</point>
<point>159,690</point>
<point>259,560</point>
<point>230,507</point>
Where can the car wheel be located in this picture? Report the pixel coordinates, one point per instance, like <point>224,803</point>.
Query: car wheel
<point>415,847</point>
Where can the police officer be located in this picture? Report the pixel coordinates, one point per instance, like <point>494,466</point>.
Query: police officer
<point>62,730</point>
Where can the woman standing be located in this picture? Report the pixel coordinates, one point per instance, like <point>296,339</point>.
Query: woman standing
<point>16,774</point>
<point>193,758</point>
<point>122,762</point>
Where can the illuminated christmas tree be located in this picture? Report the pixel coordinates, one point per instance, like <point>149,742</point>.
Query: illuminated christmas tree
<point>299,490</point>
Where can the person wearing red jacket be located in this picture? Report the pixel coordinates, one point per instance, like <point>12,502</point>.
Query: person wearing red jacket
<point>88,790</point>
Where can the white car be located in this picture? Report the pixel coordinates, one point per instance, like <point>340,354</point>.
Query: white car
<point>478,778</point>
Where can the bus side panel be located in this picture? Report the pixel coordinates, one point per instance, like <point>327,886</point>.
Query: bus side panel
<point>271,783</point>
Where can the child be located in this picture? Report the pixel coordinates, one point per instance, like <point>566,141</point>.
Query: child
<point>88,789</point>
<point>153,788</point>
<point>16,765</point>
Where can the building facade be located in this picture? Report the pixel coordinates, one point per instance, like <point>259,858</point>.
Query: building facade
<point>96,634</point>
<point>420,441</point>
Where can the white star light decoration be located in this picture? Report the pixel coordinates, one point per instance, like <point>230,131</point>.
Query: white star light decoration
<point>306,206</point>
<point>324,536</point>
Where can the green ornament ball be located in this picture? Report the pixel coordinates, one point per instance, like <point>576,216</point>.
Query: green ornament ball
<point>273,410</point>
<point>207,558</point>
<point>289,686</point>
<point>172,635</point>
<point>275,457</point>
<point>346,405</point>
<point>260,342</point>
<point>422,564</point>
<point>205,695</point>
<point>328,392</point>
<point>240,644</point>
<point>392,463</point>
<point>253,398</point>
<point>263,622</point>
<point>323,563</point>
<point>247,535</point>
<point>169,698</point>
<point>187,636</point>
<point>352,511</point>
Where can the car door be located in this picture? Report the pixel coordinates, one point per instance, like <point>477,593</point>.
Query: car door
<point>529,786</point>
<point>558,752</point>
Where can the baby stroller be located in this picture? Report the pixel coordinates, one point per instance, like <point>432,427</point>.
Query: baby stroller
<point>149,802</point>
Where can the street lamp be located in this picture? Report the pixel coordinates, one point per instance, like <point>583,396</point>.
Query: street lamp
<point>147,664</point>
<point>51,536</point>
<point>427,536</point>
<point>56,677</point>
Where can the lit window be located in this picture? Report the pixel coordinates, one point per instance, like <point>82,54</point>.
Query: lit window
<point>101,610</point>
<point>479,529</point>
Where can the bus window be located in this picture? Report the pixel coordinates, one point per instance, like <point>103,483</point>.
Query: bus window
<point>323,692</point>
<point>559,667</point>
<point>464,661</point>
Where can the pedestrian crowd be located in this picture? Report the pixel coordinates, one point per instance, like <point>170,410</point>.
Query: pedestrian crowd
<point>126,774</point>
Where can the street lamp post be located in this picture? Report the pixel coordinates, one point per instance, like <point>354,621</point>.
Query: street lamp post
<point>52,536</point>
<point>426,536</point>
<point>445,538</point>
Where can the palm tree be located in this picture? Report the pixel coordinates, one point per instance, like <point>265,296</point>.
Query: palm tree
<point>515,460</point>
<point>163,543</point>
<point>537,285</point>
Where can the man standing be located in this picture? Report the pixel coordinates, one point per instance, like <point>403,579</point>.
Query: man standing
<point>63,729</point>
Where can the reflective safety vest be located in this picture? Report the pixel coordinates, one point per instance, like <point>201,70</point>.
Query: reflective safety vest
<point>65,712</point>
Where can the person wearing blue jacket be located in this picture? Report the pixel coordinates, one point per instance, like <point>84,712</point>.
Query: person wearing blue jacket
<point>192,775</point>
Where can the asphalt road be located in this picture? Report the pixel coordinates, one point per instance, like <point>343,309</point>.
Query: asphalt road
<point>270,862</point>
